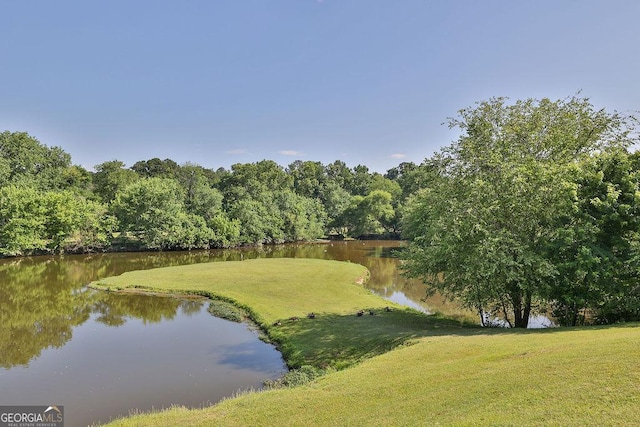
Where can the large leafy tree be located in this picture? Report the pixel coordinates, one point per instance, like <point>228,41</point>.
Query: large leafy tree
<point>259,218</point>
<point>201,198</point>
<point>304,217</point>
<point>339,173</point>
<point>481,232</point>
<point>336,201</point>
<point>411,177</point>
<point>261,197</point>
<point>25,161</point>
<point>309,178</point>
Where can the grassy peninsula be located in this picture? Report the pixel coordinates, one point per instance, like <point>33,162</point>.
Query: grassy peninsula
<point>279,294</point>
<point>451,375</point>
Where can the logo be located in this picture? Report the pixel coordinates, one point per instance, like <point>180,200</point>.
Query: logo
<point>32,416</point>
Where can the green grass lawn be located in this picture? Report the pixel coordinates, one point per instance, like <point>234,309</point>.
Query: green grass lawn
<point>272,289</point>
<point>451,375</point>
<point>276,290</point>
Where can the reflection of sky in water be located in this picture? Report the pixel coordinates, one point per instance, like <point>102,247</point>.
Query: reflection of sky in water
<point>401,298</point>
<point>540,321</point>
<point>535,322</point>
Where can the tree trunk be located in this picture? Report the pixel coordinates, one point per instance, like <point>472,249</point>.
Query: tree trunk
<point>521,309</point>
<point>527,309</point>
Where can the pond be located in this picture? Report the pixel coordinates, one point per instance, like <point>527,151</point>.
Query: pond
<point>102,355</point>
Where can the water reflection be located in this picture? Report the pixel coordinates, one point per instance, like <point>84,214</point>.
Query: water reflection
<point>38,308</point>
<point>43,300</point>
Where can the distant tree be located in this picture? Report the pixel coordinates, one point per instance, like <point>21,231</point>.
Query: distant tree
<point>379,182</point>
<point>94,230</point>
<point>5,171</point>
<point>200,197</point>
<point>412,177</point>
<point>252,180</point>
<point>259,219</point>
<point>187,172</point>
<point>191,232</point>
<point>361,183</point>
<point>336,201</point>
<point>226,231</point>
<point>156,168</point>
<point>33,221</point>
<point>79,180</point>
<point>309,178</point>
<point>73,223</point>
<point>22,221</point>
<point>25,161</point>
<point>390,221</point>
<point>63,213</point>
<point>304,217</point>
<point>339,173</point>
<point>367,215</point>
<point>153,210</point>
<point>110,178</point>
<point>252,193</point>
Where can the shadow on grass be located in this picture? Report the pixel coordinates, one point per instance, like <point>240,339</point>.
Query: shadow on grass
<point>339,341</point>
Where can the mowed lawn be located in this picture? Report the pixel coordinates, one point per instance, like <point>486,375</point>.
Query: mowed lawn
<point>272,289</point>
<point>450,375</point>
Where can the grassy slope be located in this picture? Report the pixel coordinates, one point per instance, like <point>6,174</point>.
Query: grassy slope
<point>563,378</point>
<point>452,376</point>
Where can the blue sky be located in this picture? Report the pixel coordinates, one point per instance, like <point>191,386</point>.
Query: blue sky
<point>233,81</point>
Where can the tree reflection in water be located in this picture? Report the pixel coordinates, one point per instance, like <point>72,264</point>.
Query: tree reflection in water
<point>43,299</point>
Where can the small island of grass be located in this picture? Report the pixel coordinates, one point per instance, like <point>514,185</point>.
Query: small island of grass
<point>452,375</point>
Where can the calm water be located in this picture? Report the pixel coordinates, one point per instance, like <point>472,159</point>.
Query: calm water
<point>102,355</point>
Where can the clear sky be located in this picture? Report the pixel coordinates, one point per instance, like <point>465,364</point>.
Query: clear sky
<point>217,82</point>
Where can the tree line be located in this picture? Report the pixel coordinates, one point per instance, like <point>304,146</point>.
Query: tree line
<point>535,205</point>
<point>50,205</point>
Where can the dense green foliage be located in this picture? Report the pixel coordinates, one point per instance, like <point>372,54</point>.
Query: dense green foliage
<point>50,205</point>
<point>536,202</point>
